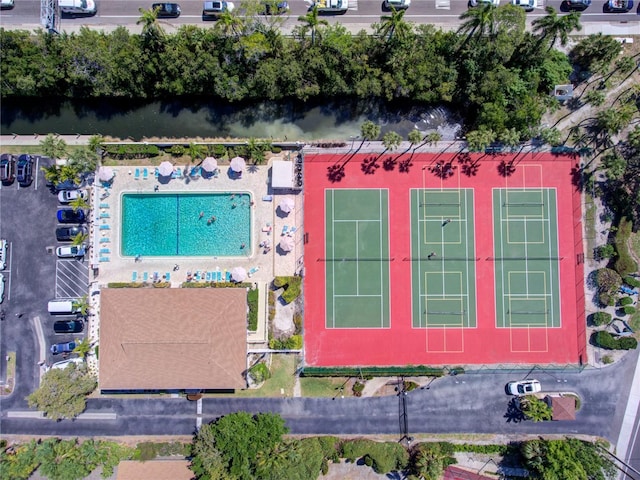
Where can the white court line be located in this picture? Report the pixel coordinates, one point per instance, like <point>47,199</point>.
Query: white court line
<point>333,255</point>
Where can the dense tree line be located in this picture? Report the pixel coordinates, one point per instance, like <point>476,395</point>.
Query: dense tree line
<point>491,68</point>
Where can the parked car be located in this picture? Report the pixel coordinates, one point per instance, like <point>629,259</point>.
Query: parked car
<point>524,387</point>
<point>67,185</point>
<point>275,7</point>
<point>25,170</point>
<point>66,234</point>
<point>6,4</point>
<point>619,6</point>
<point>7,168</point>
<point>396,4</point>
<point>65,363</point>
<point>475,3</point>
<point>167,10</point>
<point>527,5</point>
<point>66,196</point>
<point>68,215</point>
<point>3,254</point>
<point>1,287</point>
<point>216,7</point>
<point>67,347</point>
<point>71,251</point>
<point>577,5</point>
<point>68,326</point>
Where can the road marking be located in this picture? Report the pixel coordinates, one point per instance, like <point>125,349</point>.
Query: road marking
<point>24,414</point>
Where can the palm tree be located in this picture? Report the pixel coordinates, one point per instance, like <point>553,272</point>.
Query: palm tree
<point>83,347</point>
<point>479,21</point>
<point>369,131</point>
<point>151,30</point>
<point>391,141</point>
<point>535,409</point>
<point>229,23</point>
<point>81,305</point>
<point>79,239</point>
<point>78,203</point>
<point>394,25</point>
<point>312,21</point>
<point>96,144</point>
<point>195,151</point>
<point>479,140</point>
<point>52,174</point>
<point>510,138</point>
<point>53,147</point>
<point>555,26</point>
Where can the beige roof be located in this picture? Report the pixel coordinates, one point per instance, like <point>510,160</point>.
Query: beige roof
<point>156,469</point>
<point>172,338</point>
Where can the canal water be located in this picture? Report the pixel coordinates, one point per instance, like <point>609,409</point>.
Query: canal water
<point>192,118</point>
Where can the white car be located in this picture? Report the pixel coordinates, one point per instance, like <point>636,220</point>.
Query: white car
<point>1,287</point>
<point>396,4</point>
<point>66,196</point>
<point>528,5</point>
<point>65,363</point>
<point>71,251</point>
<point>475,3</point>
<point>6,4</point>
<point>524,387</point>
<point>3,254</point>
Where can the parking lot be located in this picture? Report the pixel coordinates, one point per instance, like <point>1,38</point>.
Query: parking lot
<point>33,276</point>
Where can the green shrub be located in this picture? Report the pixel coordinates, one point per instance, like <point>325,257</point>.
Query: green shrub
<point>145,451</point>
<point>632,281</point>
<point>126,285</point>
<point>252,300</point>
<point>97,350</point>
<point>385,456</point>
<point>177,150</point>
<point>297,322</point>
<point>492,449</point>
<point>410,386</point>
<point>604,251</point>
<point>607,359</point>
<point>293,290</point>
<point>628,310</point>
<point>294,342</point>
<point>219,150</point>
<point>624,301</point>
<point>370,372</point>
<point>259,372</point>
<point>280,282</point>
<point>357,390</point>
<point>624,264</point>
<point>600,318</point>
<point>607,299</point>
<point>607,341</point>
<point>276,149</point>
<point>368,461</point>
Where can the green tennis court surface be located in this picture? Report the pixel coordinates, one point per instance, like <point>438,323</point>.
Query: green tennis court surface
<point>443,258</point>
<point>526,258</point>
<point>357,258</point>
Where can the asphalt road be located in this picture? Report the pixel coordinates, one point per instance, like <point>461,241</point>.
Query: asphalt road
<point>455,404</point>
<point>362,13</point>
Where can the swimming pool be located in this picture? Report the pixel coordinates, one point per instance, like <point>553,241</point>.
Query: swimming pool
<point>186,224</point>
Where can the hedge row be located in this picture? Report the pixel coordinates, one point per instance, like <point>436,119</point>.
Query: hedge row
<point>607,341</point>
<point>252,300</point>
<point>131,150</point>
<point>292,287</point>
<point>632,281</point>
<point>407,371</point>
<point>624,264</point>
<point>137,150</point>
<point>215,285</point>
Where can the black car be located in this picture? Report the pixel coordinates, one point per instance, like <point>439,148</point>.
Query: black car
<point>67,215</point>
<point>25,170</point>
<point>167,10</point>
<point>577,5</point>
<point>68,326</point>
<point>275,7</point>
<point>7,168</point>
<point>66,234</point>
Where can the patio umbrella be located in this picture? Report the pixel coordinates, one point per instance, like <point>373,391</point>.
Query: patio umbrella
<point>238,274</point>
<point>105,174</point>
<point>209,164</point>
<point>165,169</point>
<point>286,205</point>
<point>237,164</point>
<point>287,243</point>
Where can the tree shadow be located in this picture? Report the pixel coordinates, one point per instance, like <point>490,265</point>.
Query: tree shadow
<point>580,177</point>
<point>506,168</point>
<point>335,172</point>
<point>469,167</point>
<point>514,412</point>
<point>369,165</point>
<point>442,169</point>
<point>404,166</point>
<point>389,163</point>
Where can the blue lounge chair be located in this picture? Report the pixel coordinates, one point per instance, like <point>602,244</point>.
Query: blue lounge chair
<point>218,276</point>
<point>285,230</point>
<point>156,173</point>
<point>136,175</point>
<point>105,250</point>
<point>145,277</point>
<point>105,240</point>
<point>145,174</point>
<point>227,276</point>
<point>105,215</point>
<point>253,271</point>
<point>292,230</point>
<point>134,277</point>
<point>104,259</point>
<point>104,205</point>
<point>208,276</point>
<point>105,227</point>
<point>177,173</point>
<point>167,277</point>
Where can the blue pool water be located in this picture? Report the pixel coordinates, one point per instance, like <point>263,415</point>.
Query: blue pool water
<point>159,225</point>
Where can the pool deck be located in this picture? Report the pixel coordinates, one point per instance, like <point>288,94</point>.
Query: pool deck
<point>267,225</point>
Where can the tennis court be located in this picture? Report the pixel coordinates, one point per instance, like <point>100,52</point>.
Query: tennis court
<point>357,258</point>
<point>443,259</point>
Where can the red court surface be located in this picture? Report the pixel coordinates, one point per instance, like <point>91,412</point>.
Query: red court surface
<point>402,344</point>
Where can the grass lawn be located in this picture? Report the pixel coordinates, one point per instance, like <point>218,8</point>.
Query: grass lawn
<point>283,369</point>
<point>635,243</point>
<point>323,387</point>
<point>590,223</point>
<point>11,371</point>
